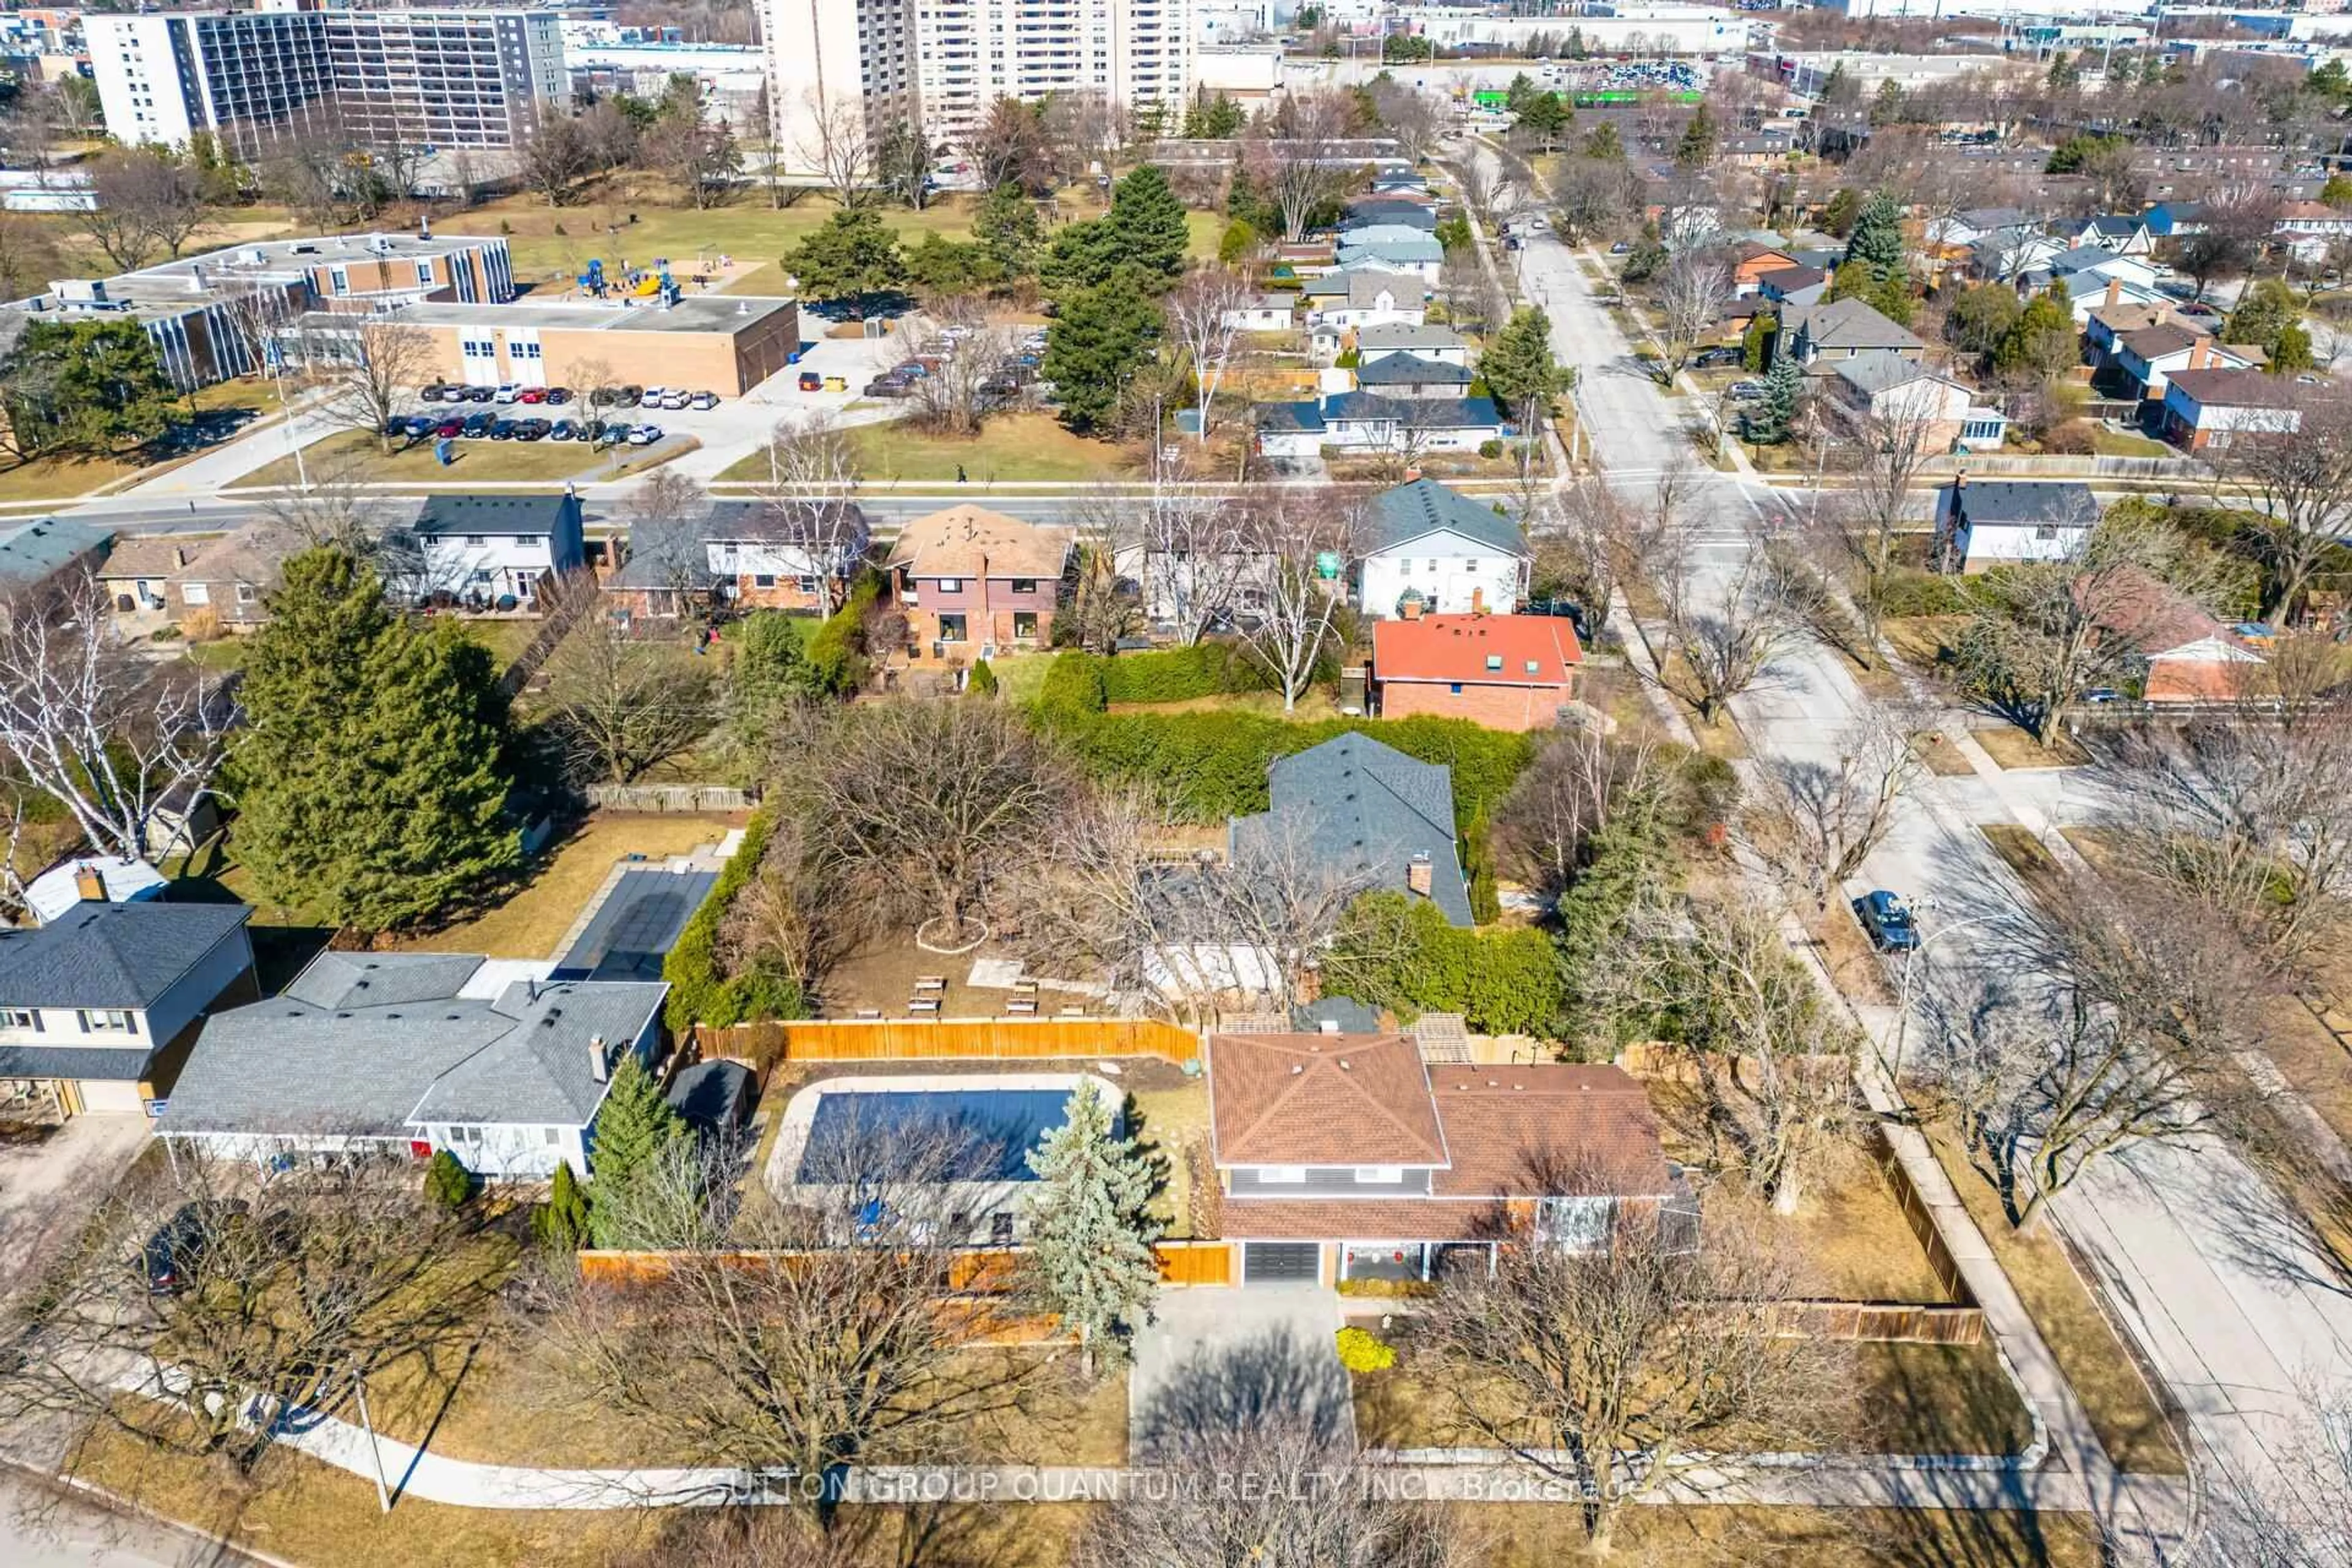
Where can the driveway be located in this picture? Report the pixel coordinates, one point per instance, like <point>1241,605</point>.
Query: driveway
<point>1224,1357</point>
<point>49,1186</point>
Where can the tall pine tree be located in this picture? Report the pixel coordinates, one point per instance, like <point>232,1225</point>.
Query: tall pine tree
<point>1146,224</point>
<point>1878,238</point>
<point>372,775</point>
<point>1090,1231</point>
<point>634,1126</point>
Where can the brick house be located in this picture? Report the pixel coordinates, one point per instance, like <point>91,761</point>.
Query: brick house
<point>2213,407</point>
<point>1506,672</point>
<point>971,581</point>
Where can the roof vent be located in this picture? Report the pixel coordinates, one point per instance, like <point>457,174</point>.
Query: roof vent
<point>1328,1026</point>
<point>1296,1068</point>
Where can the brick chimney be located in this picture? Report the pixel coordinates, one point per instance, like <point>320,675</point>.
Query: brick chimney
<point>1420,876</point>
<point>2115,291</point>
<point>599,1067</point>
<point>1477,601</point>
<point>2198,352</point>
<point>89,884</point>
<point>179,555</point>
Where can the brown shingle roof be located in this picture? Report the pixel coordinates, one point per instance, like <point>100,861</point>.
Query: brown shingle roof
<point>1321,1100</point>
<point>153,555</point>
<point>972,541</point>
<point>2152,344</point>
<point>2233,389</point>
<point>1518,1129</point>
<point>1364,1219</point>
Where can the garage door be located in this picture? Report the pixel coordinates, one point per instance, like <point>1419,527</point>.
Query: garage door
<point>1281,1263</point>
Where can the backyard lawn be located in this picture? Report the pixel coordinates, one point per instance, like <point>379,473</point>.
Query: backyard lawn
<point>1015,447</point>
<point>359,455</point>
<point>532,921</point>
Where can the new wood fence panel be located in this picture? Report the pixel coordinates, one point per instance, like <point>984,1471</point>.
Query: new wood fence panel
<point>1195,1262</point>
<point>920,1039</point>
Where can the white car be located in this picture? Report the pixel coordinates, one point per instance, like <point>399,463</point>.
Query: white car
<point>675,397</point>
<point>703,400</point>
<point>652,396</point>
<point>507,392</point>
<point>645,434</point>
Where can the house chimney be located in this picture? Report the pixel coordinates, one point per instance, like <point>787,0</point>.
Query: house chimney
<point>1477,601</point>
<point>1420,876</point>
<point>2115,290</point>
<point>2198,352</point>
<point>598,1067</point>
<point>89,884</point>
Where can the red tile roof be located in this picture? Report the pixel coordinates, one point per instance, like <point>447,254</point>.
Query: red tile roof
<point>1489,650</point>
<point>1321,1100</point>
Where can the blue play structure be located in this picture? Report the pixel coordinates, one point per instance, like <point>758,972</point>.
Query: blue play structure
<point>645,283</point>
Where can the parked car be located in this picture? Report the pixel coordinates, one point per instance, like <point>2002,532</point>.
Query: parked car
<point>1730,354</point>
<point>703,400</point>
<point>507,392</point>
<point>449,429</point>
<point>532,430</point>
<point>1886,921</point>
<point>1747,391</point>
<point>170,1255</point>
<point>891,386</point>
<point>615,432</point>
<point>676,397</point>
<point>396,427</point>
<point>562,430</point>
<point>810,381</point>
<point>1620,249</point>
<point>651,396</point>
<point>479,425</point>
<point>432,391</point>
<point>2102,694</point>
<point>531,394</point>
<point>480,393</point>
<point>645,434</point>
<point>504,429</point>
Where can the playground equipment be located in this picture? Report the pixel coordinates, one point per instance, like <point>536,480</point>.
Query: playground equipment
<point>645,283</point>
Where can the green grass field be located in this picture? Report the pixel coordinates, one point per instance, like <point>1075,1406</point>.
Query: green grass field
<point>1019,447</point>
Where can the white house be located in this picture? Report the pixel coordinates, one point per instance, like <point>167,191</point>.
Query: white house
<point>418,1052</point>
<point>91,998</point>
<point>1264,313</point>
<point>1906,394</point>
<point>2214,408</point>
<point>1441,344</point>
<point>2153,355</point>
<point>1452,555</point>
<point>1981,523</point>
<point>1372,298</point>
<point>489,547</point>
<point>1393,247</point>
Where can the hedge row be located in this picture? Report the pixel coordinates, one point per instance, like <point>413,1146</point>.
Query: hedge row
<point>697,992</point>
<point>1180,674</point>
<point>1504,981</point>
<point>1213,764</point>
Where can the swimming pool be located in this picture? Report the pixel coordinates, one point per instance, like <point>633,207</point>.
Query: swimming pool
<point>951,1134</point>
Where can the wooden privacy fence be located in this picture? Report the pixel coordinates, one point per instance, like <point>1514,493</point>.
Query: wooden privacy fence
<point>1195,1262</point>
<point>948,1039</point>
<point>1891,1321</point>
<point>676,799</point>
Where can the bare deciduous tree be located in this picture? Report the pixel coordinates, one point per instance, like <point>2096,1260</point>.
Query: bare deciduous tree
<point>1204,317</point>
<point>1297,540</point>
<point>1856,532</point>
<point>2304,482</point>
<point>966,382</point>
<point>555,154</point>
<point>1577,783</point>
<point>367,368</point>
<point>625,704</point>
<point>837,142</point>
<point>662,515</point>
<point>1620,1368</point>
<point>146,200</point>
<point>1816,822</point>
<point>1728,647</point>
<point>1184,549</point>
<point>2284,1516</point>
<point>129,747</point>
<point>1690,298</point>
<point>813,474</point>
<point>1299,169</point>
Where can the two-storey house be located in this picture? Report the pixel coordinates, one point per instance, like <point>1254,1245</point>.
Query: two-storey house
<point>971,581</point>
<point>489,548</point>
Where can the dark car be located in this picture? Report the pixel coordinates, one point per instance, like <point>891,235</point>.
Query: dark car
<point>562,430</point>
<point>532,430</point>
<point>396,425</point>
<point>627,396</point>
<point>433,393</point>
<point>559,396</point>
<point>888,386</point>
<point>1886,921</point>
<point>170,1255</point>
<point>504,429</point>
<point>615,432</point>
<point>479,425</point>
<point>480,393</point>
<point>1709,358</point>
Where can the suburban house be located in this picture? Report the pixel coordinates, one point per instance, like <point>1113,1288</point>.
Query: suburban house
<point>1396,248</point>
<point>1442,344</point>
<point>1506,672</point>
<point>1752,262</point>
<point>2108,325</point>
<point>135,577</point>
<point>664,572</point>
<point>2148,356</point>
<point>1981,523</point>
<point>1962,229</point>
<point>2214,408</point>
<point>97,1005</point>
<point>81,878</point>
<point>1393,211</point>
<point>417,1052</point>
<point>1792,286</point>
<point>231,577</point>
<point>45,558</point>
<point>1410,375</point>
<point>1904,393</point>
<point>1371,422</point>
<point>1348,1157</point>
<point>2099,283</point>
<point>2009,255</point>
<point>1819,335</point>
<point>1426,545</point>
<point>2125,233</point>
<point>789,557</point>
<point>971,580</point>
<point>1264,313</point>
<point>489,547</point>
<point>1367,298</point>
<point>1361,811</point>
<point>2191,657</point>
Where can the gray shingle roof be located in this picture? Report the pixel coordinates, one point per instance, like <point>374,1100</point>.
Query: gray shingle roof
<point>1359,806</point>
<point>1881,370</point>
<point>32,551</point>
<point>1849,324</point>
<point>111,955</point>
<point>2017,503</point>
<point>319,1060</point>
<point>1412,370</point>
<point>98,1063</point>
<point>505,515</point>
<point>1404,335</point>
<point>1424,506</point>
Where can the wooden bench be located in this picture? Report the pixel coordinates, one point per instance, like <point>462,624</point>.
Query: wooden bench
<point>1021,1006</point>
<point>922,1007</point>
<point>927,984</point>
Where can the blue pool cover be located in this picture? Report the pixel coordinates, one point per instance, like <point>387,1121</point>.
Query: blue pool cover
<point>992,1131</point>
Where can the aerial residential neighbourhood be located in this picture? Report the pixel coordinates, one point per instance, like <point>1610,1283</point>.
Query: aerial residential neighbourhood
<point>1342,785</point>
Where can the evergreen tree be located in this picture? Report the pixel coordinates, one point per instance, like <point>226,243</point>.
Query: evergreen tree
<point>89,388</point>
<point>634,1126</point>
<point>1247,202</point>
<point>1627,858</point>
<point>1877,237</point>
<point>1521,93</point>
<point>1886,108</point>
<point>1007,225</point>
<point>1518,365</point>
<point>562,1223</point>
<point>1776,416</point>
<point>1850,281</point>
<point>1603,142</point>
<point>1696,149</point>
<point>1099,338</point>
<point>1146,224</point>
<point>1756,342</point>
<point>372,774</point>
<point>1838,213</point>
<point>1547,117</point>
<point>1239,242</point>
<point>447,1183</point>
<point>981,681</point>
<point>770,672</point>
<point>1090,1228</point>
<point>852,260</point>
<point>2266,315</point>
<point>2043,340</point>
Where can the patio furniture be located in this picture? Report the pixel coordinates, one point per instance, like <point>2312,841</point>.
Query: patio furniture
<point>866,1013</point>
<point>1021,1006</point>
<point>1072,1013</point>
<point>1024,988</point>
<point>928,983</point>
<point>924,1006</point>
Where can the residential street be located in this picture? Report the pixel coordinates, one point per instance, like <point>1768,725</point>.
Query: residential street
<point>2195,1254</point>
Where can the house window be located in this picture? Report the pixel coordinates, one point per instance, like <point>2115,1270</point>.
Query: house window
<point>108,1021</point>
<point>1024,585</point>
<point>2046,530</point>
<point>1455,689</point>
<point>763,579</point>
<point>951,585</point>
<point>245,594</point>
<point>1282,1174</point>
<point>476,541</point>
<point>1495,661</point>
<point>999,1228</point>
<point>1025,623</point>
<point>550,1136</point>
<point>951,628</point>
<point>1390,1175</point>
<point>195,594</point>
<point>20,1018</point>
<point>805,584</point>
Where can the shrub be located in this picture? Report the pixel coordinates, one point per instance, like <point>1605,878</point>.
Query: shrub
<point>1401,954</point>
<point>697,992</point>
<point>1362,1350</point>
<point>1490,449</point>
<point>447,1183</point>
<point>1390,1287</point>
<point>1924,594</point>
<point>836,650</point>
<point>981,681</point>
<point>562,1223</point>
<point>1181,674</point>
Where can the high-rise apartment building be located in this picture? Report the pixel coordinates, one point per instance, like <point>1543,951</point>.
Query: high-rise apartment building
<point>417,78</point>
<point>944,62</point>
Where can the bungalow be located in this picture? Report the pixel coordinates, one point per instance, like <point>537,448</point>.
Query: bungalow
<point>1369,298</point>
<point>1348,1157</point>
<point>1819,335</point>
<point>417,1052</point>
<point>1424,545</point>
<point>1962,229</point>
<point>2011,253</point>
<point>1506,672</point>
<point>482,550</point>
<point>1751,261</point>
<point>1792,286</point>
<point>2213,407</point>
<point>1903,392</point>
<point>1393,247</point>
<point>1371,422</point>
<point>1439,344</point>
<point>2189,656</point>
<point>1276,312</point>
<point>134,577</point>
<point>1410,375</point>
<point>1391,212</point>
<point>45,558</point>
<point>1985,524</point>
<point>971,580</point>
<point>1366,813</point>
<point>2147,357</point>
<point>97,1005</point>
<point>2107,324</point>
<point>231,577</point>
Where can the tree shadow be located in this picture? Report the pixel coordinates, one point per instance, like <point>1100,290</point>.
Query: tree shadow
<point>1273,1377</point>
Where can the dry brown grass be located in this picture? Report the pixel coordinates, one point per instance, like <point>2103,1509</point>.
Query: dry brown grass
<point>1174,1121</point>
<point>2024,854</point>
<point>1535,1536</point>
<point>2016,750</point>
<point>1941,756</point>
<point>1923,642</point>
<point>531,922</point>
